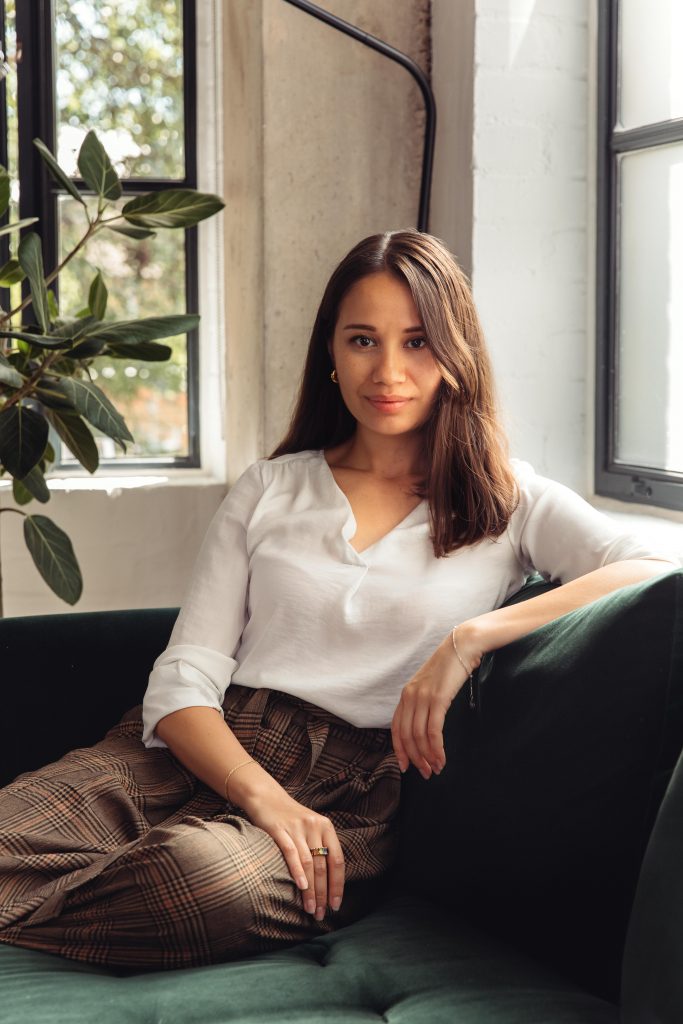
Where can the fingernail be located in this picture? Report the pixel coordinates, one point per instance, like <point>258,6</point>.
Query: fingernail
<point>336,903</point>
<point>310,906</point>
<point>320,913</point>
<point>303,882</point>
<point>403,770</point>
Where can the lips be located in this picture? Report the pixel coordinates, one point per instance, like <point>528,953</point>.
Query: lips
<point>388,403</point>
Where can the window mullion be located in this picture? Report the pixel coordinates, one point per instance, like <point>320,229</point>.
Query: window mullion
<point>37,118</point>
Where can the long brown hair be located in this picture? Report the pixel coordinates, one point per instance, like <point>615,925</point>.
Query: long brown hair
<point>469,483</point>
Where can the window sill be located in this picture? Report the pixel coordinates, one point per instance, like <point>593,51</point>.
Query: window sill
<point>662,526</point>
<point>114,483</point>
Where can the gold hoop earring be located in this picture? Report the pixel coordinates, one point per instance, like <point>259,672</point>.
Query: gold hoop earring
<point>333,377</point>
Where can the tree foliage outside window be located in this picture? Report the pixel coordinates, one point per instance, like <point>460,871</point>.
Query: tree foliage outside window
<point>124,68</point>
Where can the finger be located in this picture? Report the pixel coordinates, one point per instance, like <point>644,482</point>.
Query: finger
<point>306,857</point>
<point>320,881</point>
<point>420,737</point>
<point>408,739</point>
<point>291,854</point>
<point>437,717</point>
<point>336,867</point>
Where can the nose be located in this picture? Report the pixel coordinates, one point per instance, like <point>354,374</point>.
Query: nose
<point>389,367</point>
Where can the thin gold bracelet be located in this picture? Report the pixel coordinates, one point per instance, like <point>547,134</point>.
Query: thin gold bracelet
<point>240,765</point>
<point>457,654</point>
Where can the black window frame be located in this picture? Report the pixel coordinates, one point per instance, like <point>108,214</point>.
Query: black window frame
<point>39,193</point>
<point>638,484</point>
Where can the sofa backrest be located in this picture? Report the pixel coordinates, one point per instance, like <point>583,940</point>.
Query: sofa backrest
<point>68,678</point>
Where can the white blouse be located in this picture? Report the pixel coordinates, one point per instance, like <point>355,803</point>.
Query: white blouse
<point>279,597</point>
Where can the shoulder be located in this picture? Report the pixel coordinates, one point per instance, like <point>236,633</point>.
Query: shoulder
<point>532,486</point>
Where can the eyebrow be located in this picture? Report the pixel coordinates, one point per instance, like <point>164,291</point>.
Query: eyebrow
<point>369,327</point>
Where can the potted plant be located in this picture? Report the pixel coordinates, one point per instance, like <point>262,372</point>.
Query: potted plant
<point>46,356</point>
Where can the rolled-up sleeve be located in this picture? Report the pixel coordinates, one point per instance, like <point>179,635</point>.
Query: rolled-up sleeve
<point>560,535</point>
<point>198,663</point>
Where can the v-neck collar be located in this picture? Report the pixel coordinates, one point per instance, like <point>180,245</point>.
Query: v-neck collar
<point>351,526</point>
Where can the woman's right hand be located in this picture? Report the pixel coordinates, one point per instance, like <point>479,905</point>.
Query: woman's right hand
<point>296,828</point>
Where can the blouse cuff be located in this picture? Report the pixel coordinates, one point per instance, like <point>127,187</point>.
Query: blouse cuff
<point>183,676</point>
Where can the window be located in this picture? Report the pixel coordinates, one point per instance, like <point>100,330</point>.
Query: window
<point>127,69</point>
<point>639,399</point>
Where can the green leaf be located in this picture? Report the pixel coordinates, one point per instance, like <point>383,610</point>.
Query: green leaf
<point>54,557</point>
<point>52,307</point>
<point>87,349</point>
<point>147,350</point>
<point>4,190</point>
<point>172,208</point>
<point>129,232</point>
<point>21,494</point>
<point>77,437</point>
<point>49,453</point>
<point>31,261</point>
<point>56,171</point>
<point>34,483</point>
<point>11,274</point>
<point>50,392</point>
<point>150,329</point>
<point>96,169</point>
<point>74,327</point>
<point>41,340</point>
<point>7,229</point>
<point>97,297</point>
<point>8,375</point>
<point>23,436</point>
<point>94,405</point>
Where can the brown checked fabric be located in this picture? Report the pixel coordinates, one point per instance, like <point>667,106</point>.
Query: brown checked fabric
<point>117,855</point>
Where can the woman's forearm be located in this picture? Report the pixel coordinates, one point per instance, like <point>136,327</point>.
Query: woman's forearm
<point>204,743</point>
<point>488,632</point>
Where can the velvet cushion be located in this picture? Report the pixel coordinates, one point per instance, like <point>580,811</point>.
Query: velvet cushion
<point>406,963</point>
<point>538,824</point>
<point>68,678</point>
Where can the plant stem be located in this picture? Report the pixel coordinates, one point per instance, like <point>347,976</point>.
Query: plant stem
<point>29,385</point>
<point>93,226</point>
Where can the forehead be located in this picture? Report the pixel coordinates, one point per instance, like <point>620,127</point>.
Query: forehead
<point>382,296</point>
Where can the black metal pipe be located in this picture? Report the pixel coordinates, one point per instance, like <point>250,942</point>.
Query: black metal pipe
<point>418,74</point>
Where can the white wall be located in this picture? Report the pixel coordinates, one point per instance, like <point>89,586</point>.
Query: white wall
<point>530,180</point>
<point>529,252</point>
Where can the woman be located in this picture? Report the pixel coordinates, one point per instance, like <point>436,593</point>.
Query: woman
<point>347,588</point>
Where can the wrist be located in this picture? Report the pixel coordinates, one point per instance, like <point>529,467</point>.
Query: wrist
<point>466,641</point>
<point>249,783</point>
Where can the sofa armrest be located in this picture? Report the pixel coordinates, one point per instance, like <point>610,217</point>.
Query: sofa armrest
<point>538,824</point>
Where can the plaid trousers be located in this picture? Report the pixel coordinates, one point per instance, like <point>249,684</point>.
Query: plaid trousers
<point>117,855</point>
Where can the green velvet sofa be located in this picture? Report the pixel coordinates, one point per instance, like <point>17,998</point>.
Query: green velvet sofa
<point>539,878</point>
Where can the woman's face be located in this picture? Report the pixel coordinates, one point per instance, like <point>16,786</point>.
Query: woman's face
<point>386,370</point>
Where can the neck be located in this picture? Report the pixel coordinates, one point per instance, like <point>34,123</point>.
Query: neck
<point>384,456</point>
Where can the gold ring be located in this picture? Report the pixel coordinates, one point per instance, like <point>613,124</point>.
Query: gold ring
<point>322,850</point>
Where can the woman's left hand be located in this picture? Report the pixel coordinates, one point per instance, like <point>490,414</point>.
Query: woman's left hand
<point>417,725</point>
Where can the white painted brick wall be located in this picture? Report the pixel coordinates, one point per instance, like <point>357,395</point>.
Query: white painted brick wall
<point>529,259</point>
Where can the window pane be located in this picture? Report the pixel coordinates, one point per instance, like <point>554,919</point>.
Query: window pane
<point>144,278</point>
<point>650,309</point>
<point>650,65</point>
<point>120,68</point>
